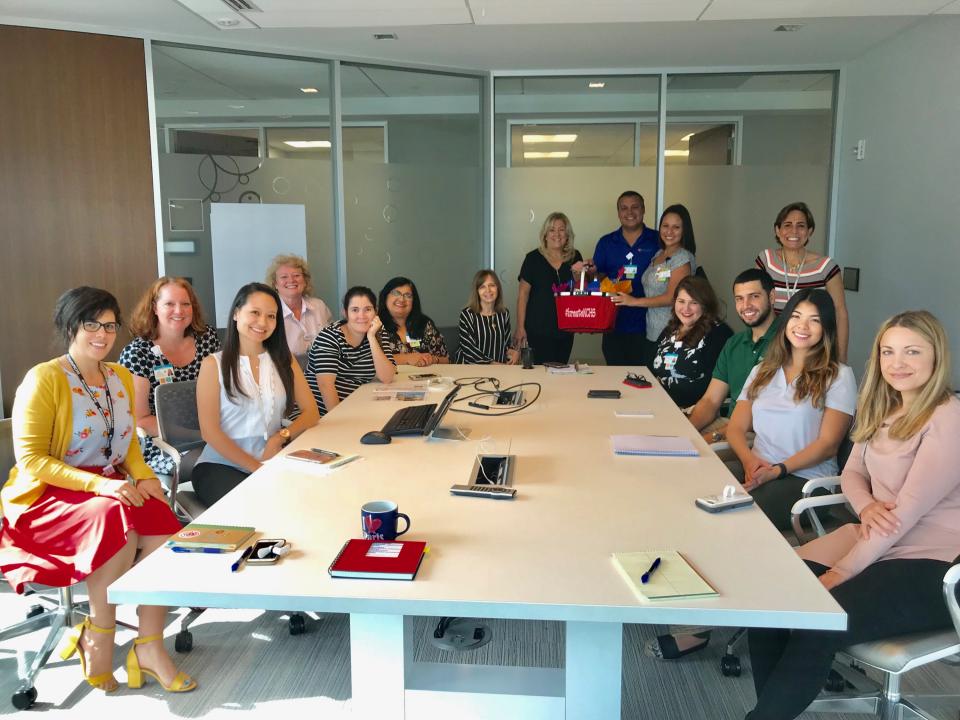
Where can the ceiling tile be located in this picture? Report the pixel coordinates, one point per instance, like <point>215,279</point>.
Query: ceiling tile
<point>522,12</point>
<point>381,14</point>
<point>799,9</point>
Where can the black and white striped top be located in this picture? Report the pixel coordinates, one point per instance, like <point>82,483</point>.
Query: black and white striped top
<point>331,354</point>
<point>483,338</point>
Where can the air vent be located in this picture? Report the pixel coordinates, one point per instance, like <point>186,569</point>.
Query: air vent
<point>778,28</point>
<point>384,36</point>
<point>242,5</point>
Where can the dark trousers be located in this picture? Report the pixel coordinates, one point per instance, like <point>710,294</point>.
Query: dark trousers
<point>777,497</point>
<point>627,349</point>
<point>211,481</point>
<point>551,348</point>
<point>890,597</point>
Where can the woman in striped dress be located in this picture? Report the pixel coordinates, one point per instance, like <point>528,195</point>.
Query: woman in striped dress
<point>349,353</point>
<point>793,267</point>
<point>485,324</point>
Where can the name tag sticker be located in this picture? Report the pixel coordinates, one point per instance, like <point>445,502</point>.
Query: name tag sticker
<point>669,360</point>
<point>164,373</point>
<point>663,273</point>
<point>413,343</point>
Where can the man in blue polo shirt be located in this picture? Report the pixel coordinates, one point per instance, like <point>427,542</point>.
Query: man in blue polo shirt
<point>753,294</point>
<point>631,247</point>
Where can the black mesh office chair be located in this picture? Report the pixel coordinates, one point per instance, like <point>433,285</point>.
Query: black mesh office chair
<point>893,656</point>
<point>58,615</point>
<point>179,437</point>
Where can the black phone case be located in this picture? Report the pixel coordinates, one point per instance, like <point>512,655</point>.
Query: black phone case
<point>603,394</point>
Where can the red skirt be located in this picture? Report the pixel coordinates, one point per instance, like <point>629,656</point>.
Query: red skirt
<point>67,534</point>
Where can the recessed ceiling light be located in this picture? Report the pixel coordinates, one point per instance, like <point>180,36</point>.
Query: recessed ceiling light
<point>384,36</point>
<point>227,22</point>
<point>597,84</point>
<point>676,153</point>
<point>546,155</point>
<point>531,139</point>
<point>309,90</point>
<point>686,138</point>
<point>787,28</point>
<point>236,107</point>
<point>301,144</point>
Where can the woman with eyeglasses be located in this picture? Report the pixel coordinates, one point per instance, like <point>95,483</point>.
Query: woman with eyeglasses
<point>81,502</point>
<point>412,337</point>
<point>171,340</point>
<point>349,353</point>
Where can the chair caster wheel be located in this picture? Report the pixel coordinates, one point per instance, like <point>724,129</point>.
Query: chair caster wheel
<point>183,643</point>
<point>24,699</point>
<point>835,682</point>
<point>730,666</point>
<point>297,624</point>
<point>34,611</point>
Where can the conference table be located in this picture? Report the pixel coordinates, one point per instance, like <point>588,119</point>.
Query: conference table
<point>544,556</point>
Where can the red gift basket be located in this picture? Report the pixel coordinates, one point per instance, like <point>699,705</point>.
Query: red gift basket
<point>593,313</point>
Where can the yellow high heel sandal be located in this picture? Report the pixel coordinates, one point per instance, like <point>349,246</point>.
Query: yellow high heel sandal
<point>181,683</point>
<point>105,681</point>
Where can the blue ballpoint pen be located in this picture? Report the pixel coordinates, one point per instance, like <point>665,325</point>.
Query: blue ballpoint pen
<point>645,578</point>
<point>214,551</point>
<point>243,558</point>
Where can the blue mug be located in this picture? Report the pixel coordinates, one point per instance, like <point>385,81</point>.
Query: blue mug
<point>378,520</point>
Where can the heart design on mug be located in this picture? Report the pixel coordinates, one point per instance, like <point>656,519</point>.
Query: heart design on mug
<point>371,524</point>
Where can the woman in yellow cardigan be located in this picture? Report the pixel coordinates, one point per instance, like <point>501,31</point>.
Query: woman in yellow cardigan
<point>80,500</point>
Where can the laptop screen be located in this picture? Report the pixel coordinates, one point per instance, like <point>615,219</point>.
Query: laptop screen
<point>437,416</point>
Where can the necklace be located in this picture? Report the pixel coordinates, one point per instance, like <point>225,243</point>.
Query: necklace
<point>798,268</point>
<point>106,414</point>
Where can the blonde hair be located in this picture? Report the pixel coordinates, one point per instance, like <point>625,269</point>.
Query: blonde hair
<point>878,400</point>
<point>293,261</point>
<point>479,279</point>
<point>820,366</point>
<point>567,250</point>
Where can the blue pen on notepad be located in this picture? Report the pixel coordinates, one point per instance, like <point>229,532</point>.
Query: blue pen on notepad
<point>645,578</point>
<point>216,551</point>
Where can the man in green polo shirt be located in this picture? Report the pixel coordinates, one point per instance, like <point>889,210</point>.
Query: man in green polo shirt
<point>753,299</point>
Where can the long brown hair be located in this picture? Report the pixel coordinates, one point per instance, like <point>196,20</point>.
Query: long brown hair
<point>820,367</point>
<point>479,279</point>
<point>878,400</point>
<point>702,292</point>
<point>143,321</point>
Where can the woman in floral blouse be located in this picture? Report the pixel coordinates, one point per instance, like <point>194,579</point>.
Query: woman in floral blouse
<point>413,337</point>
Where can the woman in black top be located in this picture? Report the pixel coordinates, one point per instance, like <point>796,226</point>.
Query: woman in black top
<point>690,344</point>
<point>549,266</point>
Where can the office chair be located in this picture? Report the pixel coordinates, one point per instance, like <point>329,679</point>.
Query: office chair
<point>893,656</point>
<point>63,614</point>
<point>179,437</point>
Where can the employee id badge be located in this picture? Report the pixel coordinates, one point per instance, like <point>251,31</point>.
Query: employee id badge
<point>669,360</point>
<point>413,343</point>
<point>164,373</point>
<point>663,273</point>
<point>629,271</point>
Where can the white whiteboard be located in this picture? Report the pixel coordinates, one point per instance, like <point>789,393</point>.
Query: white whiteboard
<point>244,238</point>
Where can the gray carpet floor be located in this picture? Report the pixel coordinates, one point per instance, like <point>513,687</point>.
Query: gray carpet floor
<point>246,661</point>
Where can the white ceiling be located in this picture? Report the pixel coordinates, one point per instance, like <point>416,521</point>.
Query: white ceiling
<point>510,34</point>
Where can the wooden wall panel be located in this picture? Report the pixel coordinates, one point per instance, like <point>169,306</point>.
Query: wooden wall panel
<point>76,192</point>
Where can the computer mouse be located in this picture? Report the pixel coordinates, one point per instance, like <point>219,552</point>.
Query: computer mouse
<point>376,437</point>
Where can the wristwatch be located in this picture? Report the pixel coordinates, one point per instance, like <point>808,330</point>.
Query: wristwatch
<point>783,470</point>
<point>285,434</point>
<point>717,436</point>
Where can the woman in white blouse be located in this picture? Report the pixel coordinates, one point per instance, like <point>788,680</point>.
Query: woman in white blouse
<point>244,391</point>
<point>800,401</point>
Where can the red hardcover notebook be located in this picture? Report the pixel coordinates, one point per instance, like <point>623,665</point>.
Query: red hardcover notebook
<point>378,559</point>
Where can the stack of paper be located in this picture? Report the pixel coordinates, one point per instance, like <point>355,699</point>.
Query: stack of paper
<point>673,579</point>
<point>653,445</point>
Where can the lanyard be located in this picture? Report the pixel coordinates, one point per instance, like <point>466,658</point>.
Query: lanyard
<point>107,415</point>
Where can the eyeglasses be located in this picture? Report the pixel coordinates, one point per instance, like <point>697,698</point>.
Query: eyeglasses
<point>94,326</point>
<point>398,294</point>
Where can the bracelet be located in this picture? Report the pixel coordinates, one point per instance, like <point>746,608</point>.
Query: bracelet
<point>783,470</point>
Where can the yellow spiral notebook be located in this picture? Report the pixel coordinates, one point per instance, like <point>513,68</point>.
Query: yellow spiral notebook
<point>674,578</point>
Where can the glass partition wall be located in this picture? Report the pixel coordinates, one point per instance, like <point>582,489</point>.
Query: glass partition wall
<point>570,144</point>
<point>246,128</point>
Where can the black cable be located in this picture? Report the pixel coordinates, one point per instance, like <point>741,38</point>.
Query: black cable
<point>483,393</point>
